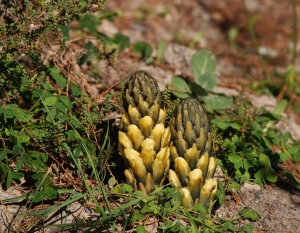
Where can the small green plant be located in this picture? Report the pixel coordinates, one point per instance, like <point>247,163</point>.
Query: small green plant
<point>203,64</point>
<point>245,143</point>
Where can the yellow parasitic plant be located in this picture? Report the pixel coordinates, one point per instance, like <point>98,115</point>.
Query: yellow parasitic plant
<point>191,155</point>
<point>144,139</point>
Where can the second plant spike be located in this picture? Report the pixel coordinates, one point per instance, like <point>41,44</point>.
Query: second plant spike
<point>144,141</point>
<point>191,155</point>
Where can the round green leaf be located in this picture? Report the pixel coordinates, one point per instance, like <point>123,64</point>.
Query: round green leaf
<point>51,192</point>
<point>234,185</point>
<point>180,88</point>
<point>271,175</point>
<point>202,62</point>
<point>111,182</point>
<point>230,146</point>
<point>217,102</point>
<point>234,158</point>
<point>127,188</point>
<point>50,101</point>
<point>200,209</point>
<point>22,137</point>
<point>248,213</point>
<point>142,48</point>
<point>264,160</point>
<point>266,173</point>
<point>207,80</point>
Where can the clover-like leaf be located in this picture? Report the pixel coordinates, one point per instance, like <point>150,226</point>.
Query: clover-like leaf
<point>180,88</point>
<point>206,80</point>
<point>217,102</point>
<point>202,62</point>
<point>248,213</point>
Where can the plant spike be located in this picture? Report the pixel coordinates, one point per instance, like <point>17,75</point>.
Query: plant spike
<point>191,155</point>
<point>144,139</point>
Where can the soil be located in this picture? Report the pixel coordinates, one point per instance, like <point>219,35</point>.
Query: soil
<point>188,26</point>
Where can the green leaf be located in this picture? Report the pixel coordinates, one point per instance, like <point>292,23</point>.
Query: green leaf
<point>65,100</point>
<point>217,102</point>
<point>20,162</point>
<point>146,209</point>
<point>259,182</point>
<point>90,22</point>
<point>13,110</point>
<point>50,101</point>
<point>200,209</point>
<point>161,48</point>
<point>173,226</point>
<point>39,196</point>
<point>234,158</point>
<point>3,171</point>
<point>142,48</point>
<point>8,179</point>
<point>271,175</point>
<point>56,75</point>
<point>266,173</point>
<point>235,125</point>
<point>221,192</point>
<point>140,229</point>
<point>292,179</point>
<point>38,175</point>
<point>198,90</point>
<point>202,62</point>
<point>122,40</point>
<point>17,149</point>
<point>180,88</point>
<point>22,137</point>
<point>222,124</point>
<point>247,163</point>
<point>280,107</point>
<point>296,157</point>
<point>230,146</point>
<point>248,228</point>
<point>229,226</point>
<point>245,177</point>
<point>3,154</point>
<point>250,214</point>
<point>111,182</point>
<point>37,133</point>
<point>76,91</point>
<point>207,80</point>
<point>127,188</point>
<point>264,160</point>
<point>16,175</point>
<point>234,185</point>
<point>238,164</point>
<point>51,192</point>
<point>283,156</point>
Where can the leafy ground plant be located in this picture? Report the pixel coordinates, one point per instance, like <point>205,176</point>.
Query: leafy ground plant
<point>203,64</point>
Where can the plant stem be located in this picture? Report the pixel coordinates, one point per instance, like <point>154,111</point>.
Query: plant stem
<point>250,25</point>
<point>295,32</point>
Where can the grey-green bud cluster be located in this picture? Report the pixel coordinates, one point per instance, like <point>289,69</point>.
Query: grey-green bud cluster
<point>191,155</point>
<point>144,141</point>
